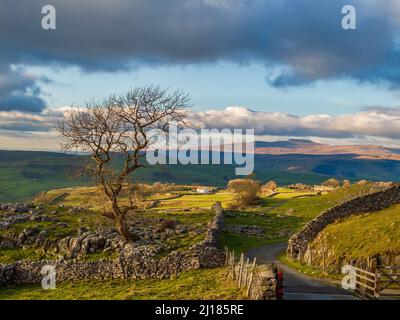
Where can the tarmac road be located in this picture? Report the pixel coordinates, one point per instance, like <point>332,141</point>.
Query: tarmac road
<point>298,286</point>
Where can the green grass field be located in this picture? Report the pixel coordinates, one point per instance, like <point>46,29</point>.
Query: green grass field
<point>197,201</point>
<point>203,284</point>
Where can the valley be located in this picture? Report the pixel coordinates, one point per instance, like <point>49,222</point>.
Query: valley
<point>24,174</point>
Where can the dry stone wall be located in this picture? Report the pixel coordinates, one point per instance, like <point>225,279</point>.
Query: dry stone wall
<point>377,201</point>
<point>133,263</point>
<point>264,284</point>
<point>215,227</point>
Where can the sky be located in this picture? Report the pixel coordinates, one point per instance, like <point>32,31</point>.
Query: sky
<point>286,68</point>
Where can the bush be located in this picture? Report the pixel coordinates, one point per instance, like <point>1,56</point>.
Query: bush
<point>346,183</point>
<point>245,190</point>
<point>331,183</point>
<point>269,186</point>
<point>362,182</point>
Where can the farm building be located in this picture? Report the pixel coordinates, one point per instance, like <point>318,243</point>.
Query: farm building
<point>204,190</point>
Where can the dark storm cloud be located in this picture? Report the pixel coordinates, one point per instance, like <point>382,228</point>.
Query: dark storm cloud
<point>20,91</point>
<point>24,102</point>
<point>300,41</point>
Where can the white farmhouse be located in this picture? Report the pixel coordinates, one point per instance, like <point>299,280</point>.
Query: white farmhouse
<point>204,190</point>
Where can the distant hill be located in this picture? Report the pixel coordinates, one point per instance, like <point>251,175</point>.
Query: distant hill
<point>289,144</point>
<point>23,174</point>
<point>297,146</point>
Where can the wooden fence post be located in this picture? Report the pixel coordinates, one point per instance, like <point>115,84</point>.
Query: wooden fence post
<point>233,265</point>
<point>246,273</point>
<point>241,273</point>
<point>250,284</point>
<point>374,269</point>
<point>377,290</point>
<point>229,264</point>
<point>239,279</point>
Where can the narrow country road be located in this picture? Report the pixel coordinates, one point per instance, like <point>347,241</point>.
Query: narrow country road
<point>298,286</point>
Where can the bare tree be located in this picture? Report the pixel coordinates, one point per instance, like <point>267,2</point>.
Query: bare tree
<point>116,134</point>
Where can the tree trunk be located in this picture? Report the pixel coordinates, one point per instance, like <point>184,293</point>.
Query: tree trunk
<point>122,226</point>
<point>123,230</point>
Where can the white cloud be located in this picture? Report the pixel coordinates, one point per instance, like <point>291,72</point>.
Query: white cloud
<point>372,122</point>
<point>375,125</point>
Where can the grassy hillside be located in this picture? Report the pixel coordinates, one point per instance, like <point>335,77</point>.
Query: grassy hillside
<point>360,237</point>
<point>25,174</point>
